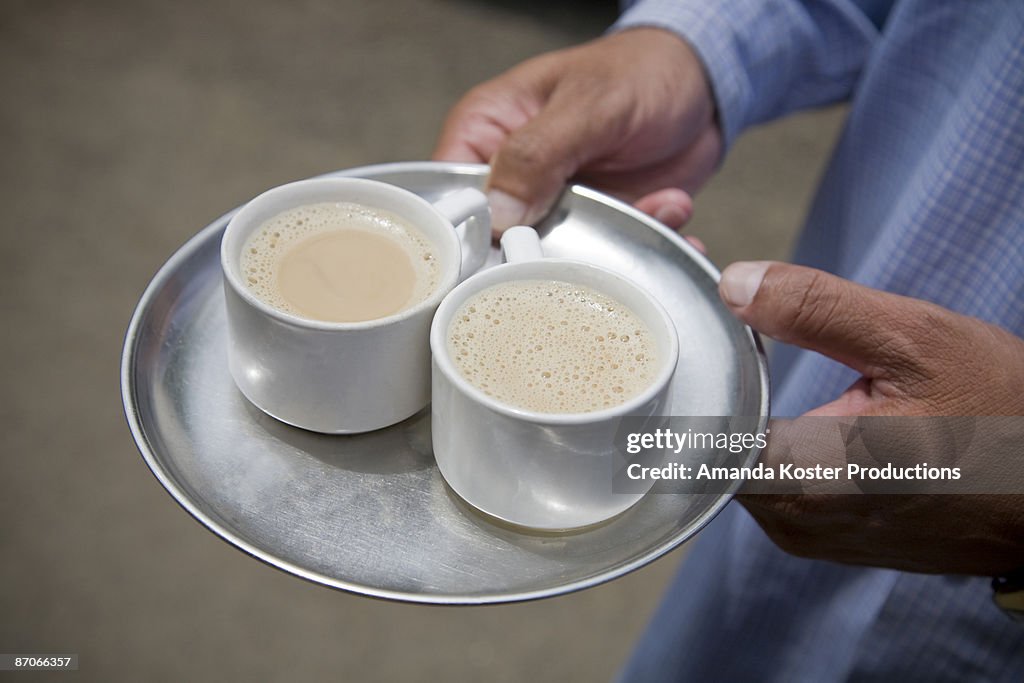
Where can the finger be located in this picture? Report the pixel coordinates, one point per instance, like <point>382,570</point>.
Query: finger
<point>697,243</point>
<point>469,136</point>
<point>670,205</point>
<point>859,399</point>
<point>458,150</point>
<point>880,335</point>
<point>800,444</point>
<point>533,165</point>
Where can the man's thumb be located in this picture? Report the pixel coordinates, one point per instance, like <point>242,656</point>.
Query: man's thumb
<point>870,331</point>
<point>534,163</point>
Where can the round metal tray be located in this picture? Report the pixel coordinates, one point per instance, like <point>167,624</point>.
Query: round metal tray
<point>370,513</point>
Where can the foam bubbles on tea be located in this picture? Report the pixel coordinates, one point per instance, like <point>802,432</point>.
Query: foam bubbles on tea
<point>339,262</point>
<point>552,347</point>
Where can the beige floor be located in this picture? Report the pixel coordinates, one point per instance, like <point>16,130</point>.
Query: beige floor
<point>124,128</point>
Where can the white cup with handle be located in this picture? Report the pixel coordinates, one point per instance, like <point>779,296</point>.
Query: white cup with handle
<point>345,377</point>
<point>549,471</point>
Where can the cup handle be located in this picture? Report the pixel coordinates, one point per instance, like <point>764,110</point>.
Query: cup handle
<point>475,235</point>
<point>521,243</point>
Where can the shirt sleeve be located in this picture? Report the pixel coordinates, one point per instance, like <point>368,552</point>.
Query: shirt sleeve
<point>766,58</point>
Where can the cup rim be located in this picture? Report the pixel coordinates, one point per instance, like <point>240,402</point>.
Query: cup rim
<point>455,298</point>
<point>430,302</point>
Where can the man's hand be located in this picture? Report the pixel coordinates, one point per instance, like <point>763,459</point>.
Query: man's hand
<point>915,359</point>
<point>630,113</point>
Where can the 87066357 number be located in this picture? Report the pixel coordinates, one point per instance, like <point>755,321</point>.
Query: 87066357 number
<point>16,662</point>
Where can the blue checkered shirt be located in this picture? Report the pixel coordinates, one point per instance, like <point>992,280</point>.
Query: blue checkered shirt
<point>924,196</point>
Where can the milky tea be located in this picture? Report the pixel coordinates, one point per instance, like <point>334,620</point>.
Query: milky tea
<point>552,347</point>
<point>339,262</point>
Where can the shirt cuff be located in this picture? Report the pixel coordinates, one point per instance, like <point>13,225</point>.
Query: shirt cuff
<point>765,58</point>
<point>710,36</point>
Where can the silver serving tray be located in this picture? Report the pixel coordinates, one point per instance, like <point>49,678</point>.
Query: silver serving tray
<point>370,513</point>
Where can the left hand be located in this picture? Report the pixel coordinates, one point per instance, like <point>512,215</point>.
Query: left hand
<point>915,359</point>
<point>630,113</point>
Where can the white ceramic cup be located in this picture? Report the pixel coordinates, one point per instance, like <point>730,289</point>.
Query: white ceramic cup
<point>344,378</point>
<point>550,471</point>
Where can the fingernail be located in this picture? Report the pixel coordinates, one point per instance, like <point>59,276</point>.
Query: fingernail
<point>506,210</point>
<point>672,215</point>
<point>699,243</point>
<point>741,280</point>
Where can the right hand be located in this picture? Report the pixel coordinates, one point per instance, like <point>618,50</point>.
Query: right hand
<point>630,113</point>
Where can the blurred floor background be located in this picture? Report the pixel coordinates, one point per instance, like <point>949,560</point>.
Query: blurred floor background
<point>125,127</point>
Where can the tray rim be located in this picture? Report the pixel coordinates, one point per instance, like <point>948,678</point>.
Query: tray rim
<point>194,243</point>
